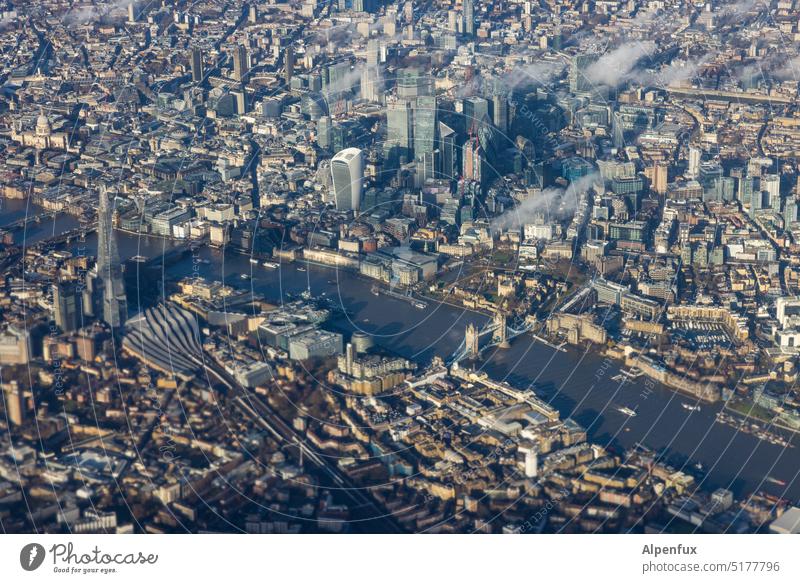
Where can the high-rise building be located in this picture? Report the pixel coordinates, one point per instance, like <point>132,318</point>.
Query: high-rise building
<point>15,402</point>
<point>448,153</point>
<point>132,12</point>
<point>425,118</point>
<point>747,185</point>
<point>469,17</point>
<point>771,183</point>
<point>109,268</point>
<point>324,127</point>
<point>197,65</point>
<point>657,174</point>
<point>372,85</point>
<point>288,64</point>
<point>578,82</point>
<point>66,305</point>
<point>240,67</point>
<point>452,20</point>
<point>790,212</point>
<point>240,100</point>
<point>693,170</point>
<point>412,82</point>
<point>347,171</point>
<point>473,161</point>
<point>500,112</point>
<point>252,14</point>
<point>373,52</point>
<point>475,109</point>
<point>399,135</point>
<point>756,196</point>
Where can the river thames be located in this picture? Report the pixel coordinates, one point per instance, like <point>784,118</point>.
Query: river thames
<point>578,383</point>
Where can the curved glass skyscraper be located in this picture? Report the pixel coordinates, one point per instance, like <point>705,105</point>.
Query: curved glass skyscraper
<point>347,170</point>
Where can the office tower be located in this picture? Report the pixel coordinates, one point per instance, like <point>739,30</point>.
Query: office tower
<point>288,64</point>
<point>693,170</point>
<point>372,85</point>
<point>373,52</point>
<point>399,134</point>
<point>657,174</point>
<point>324,132</point>
<point>349,353</point>
<point>109,268</point>
<point>771,183</point>
<point>790,212</point>
<point>448,156</point>
<point>500,113</point>
<point>746,186</point>
<point>411,83</point>
<point>452,21</point>
<point>617,131</point>
<point>197,65</point>
<point>408,11</point>
<point>577,73</point>
<point>469,17</point>
<point>756,196</point>
<point>531,460</point>
<point>472,167</point>
<point>15,402</point>
<point>240,99</point>
<point>66,305</point>
<point>347,172</point>
<point>336,77</point>
<point>425,126</point>
<point>240,63</point>
<point>252,14</point>
<point>132,12</point>
<point>475,110</point>
<point>425,167</point>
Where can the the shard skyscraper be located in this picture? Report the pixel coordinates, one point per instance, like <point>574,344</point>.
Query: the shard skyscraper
<point>109,268</point>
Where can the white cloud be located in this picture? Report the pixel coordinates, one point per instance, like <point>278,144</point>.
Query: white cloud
<point>554,203</point>
<point>619,65</point>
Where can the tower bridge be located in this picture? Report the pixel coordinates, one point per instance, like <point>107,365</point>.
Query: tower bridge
<point>495,332</point>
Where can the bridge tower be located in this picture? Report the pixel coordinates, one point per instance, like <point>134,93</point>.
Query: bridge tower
<point>471,339</point>
<point>501,330</point>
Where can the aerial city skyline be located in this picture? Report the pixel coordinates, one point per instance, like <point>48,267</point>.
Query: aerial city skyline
<point>362,266</point>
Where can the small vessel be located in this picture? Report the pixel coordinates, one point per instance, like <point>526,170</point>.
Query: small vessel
<point>775,481</point>
<point>270,265</point>
<point>254,260</point>
<point>689,407</point>
<point>302,269</point>
<point>420,305</point>
<point>633,372</point>
<point>139,258</point>
<point>245,276</point>
<point>627,411</point>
